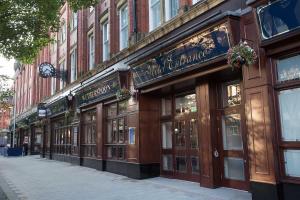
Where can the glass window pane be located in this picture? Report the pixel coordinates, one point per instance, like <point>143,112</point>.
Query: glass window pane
<point>167,163</point>
<point>232,139</point>
<point>121,130</point>
<point>234,168</point>
<point>193,134</point>
<point>179,132</point>
<point>180,163</point>
<point>109,131</point>
<point>115,128</point>
<point>231,94</point>
<point>122,107</point>
<point>290,114</point>
<point>292,162</point>
<point>112,110</point>
<point>166,106</point>
<point>195,165</point>
<point>186,104</point>
<point>166,129</point>
<point>288,68</point>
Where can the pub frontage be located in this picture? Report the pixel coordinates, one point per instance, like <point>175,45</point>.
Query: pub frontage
<point>176,108</point>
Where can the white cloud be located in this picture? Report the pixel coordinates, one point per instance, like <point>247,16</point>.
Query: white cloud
<point>7,68</point>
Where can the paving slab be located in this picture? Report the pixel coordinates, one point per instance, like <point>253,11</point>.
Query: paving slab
<point>35,178</point>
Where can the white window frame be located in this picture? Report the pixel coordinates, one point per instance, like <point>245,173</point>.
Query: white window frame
<point>168,9</point>
<point>73,63</point>
<point>152,26</point>
<point>74,20</point>
<point>53,86</point>
<point>124,28</point>
<point>91,50</point>
<point>105,45</point>
<point>63,32</point>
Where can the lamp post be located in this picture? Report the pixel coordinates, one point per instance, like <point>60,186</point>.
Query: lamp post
<point>14,116</point>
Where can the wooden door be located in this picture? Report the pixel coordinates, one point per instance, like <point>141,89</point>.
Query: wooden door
<point>232,138</point>
<point>186,149</point>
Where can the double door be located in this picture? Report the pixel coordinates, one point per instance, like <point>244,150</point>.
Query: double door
<point>180,145</point>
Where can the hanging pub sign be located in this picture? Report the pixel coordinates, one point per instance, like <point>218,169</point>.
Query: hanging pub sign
<point>41,110</point>
<point>57,107</point>
<point>184,56</point>
<point>278,17</point>
<point>102,89</point>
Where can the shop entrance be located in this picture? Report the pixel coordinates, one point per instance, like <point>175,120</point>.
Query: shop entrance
<point>180,149</point>
<point>231,136</point>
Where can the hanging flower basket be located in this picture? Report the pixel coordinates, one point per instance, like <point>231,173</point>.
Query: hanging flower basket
<point>123,94</point>
<point>241,54</point>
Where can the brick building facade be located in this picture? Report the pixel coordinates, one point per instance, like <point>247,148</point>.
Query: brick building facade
<point>148,92</point>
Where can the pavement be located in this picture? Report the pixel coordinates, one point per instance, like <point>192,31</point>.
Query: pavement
<point>35,178</point>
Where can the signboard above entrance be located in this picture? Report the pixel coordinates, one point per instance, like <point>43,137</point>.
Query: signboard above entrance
<point>102,89</point>
<point>184,56</point>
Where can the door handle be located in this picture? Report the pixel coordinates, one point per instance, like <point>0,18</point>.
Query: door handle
<point>216,153</point>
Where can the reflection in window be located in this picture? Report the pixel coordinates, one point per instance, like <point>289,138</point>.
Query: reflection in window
<point>167,162</point>
<point>166,135</point>
<point>290,114</point>
<point>232,139</point>
<point>195,165</point>
<point>166,106</point>
<point>180,164</point>
<point>179,134</point>
<point>193,134</point>
<point>292,162</point>
<point>234,168</point>
<point>231,94</point>
<point>289,68</point>
<point>186,104</point>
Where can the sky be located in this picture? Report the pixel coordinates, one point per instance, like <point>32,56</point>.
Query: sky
<point>7,68</point>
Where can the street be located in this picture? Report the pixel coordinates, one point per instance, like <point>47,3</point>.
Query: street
<point>34,178</point>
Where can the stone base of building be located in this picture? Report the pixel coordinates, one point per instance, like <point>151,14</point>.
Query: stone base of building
<point>66,158</point>
<point>92,163</point>
<point>265,191</point>
<point>290,191</point>
<point>133,170</point>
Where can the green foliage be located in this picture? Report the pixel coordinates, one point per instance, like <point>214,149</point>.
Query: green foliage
<point>25,25</point>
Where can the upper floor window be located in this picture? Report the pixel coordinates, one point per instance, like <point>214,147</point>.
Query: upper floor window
<point>74,65</point>
<point>154,14</point>
<point>91,8</point>
<point>124,27</point>
<point>105,35</point>
<point>53,86</point>
<point>63,32</point>
<point>91,49</point>
<point>161,11</point>
<point>196,1</point>
<point>73,23</point>
<point>62,68</point>
<point>171,8</point>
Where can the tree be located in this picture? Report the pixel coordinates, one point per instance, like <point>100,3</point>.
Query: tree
<point>25,25</point>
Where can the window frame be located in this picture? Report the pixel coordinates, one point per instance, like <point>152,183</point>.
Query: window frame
<point>63,32</point>
<point>91,50</point>
<point>74,20</point>
<point>105,41</point>
<point>115,142</point>
<point>284,145</point>
<point>62,82</point>
<point>73,64</point>
<point>124,28</point>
